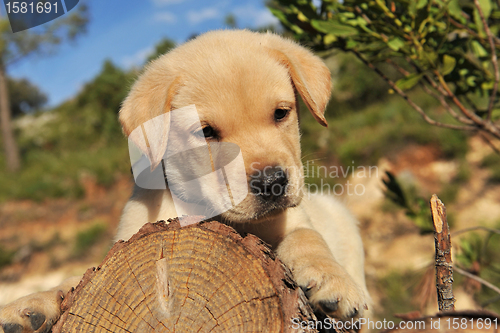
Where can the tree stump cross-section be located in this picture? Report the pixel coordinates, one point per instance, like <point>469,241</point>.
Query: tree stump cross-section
<point>201,278</point>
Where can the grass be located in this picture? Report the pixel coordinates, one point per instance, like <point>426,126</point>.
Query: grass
<point>89,237</point>
<point>397,290</point>
<point>6,256</point>
<point>492,162</point>
<point>483,250</point>
<point>47,174</point>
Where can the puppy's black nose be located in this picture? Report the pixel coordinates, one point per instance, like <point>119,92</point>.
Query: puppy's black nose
<point>269,184</point>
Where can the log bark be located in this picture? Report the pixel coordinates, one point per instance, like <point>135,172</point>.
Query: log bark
<point>444,264</point>
<point>200,278</point>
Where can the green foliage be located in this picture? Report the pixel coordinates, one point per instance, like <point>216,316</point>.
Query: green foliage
<point>478,254</point>
<point>82,135</point>
<point>441,46</point>
<point>41,39</point>
<point>230,21</point>
<point>87,238</point>
<point>16,46</point>
<point>5,257</point>
<point>450,189</point>
<point>470,250</point>
<point>416,207</point>
<point>436,35</point>
<point>378,129</point>
<point>397,291</point>
<point>354,85</point>
<point>162,47</point>
<point>24,97</point>
<point>492,162</point>
<point>100,99</point>
<point>49,174</point>
<point>91,118</point>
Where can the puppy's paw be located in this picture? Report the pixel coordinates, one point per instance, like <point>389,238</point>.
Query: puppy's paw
<point>331,291</point>
<point>35,313</point>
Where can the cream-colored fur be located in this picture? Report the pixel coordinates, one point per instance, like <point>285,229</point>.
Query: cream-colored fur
<point>236,80</point>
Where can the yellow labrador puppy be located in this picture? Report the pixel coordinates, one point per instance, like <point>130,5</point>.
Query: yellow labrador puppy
<point>244,88</point>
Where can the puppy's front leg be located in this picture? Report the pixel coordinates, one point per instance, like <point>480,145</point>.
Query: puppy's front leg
<point>36,312</point>
<point>328,285</point>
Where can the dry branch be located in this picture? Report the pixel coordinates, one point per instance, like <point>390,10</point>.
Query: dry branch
<point>444,264</point>
<point>201,278</point>
<point>417,108</point>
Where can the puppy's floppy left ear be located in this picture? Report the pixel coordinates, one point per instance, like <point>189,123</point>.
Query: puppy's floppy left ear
<point>150,97</point>
<point>309,74</point>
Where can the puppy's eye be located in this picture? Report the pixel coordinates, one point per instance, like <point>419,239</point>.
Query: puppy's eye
<point>280,114</point>
<point>206,132</point>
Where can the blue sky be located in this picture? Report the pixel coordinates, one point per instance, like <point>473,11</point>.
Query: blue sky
<point>125,31</point>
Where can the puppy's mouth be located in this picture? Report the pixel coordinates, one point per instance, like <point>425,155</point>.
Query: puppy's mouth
<point>270,209</point>
<point>271,192</point>
<point>258,211</point>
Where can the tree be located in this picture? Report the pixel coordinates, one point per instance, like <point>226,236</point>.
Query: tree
<point>230,21</point>
<point>100,100</point>
<point>17,46</point>
<point>446,47</point>
<point>162,47</point>
<point>24,97</point>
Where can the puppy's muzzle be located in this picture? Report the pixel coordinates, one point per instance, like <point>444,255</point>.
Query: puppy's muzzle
<point>269,184</point>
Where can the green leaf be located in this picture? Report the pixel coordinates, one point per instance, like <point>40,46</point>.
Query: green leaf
<point>455,11</point>
<point>479,24</point>
<point>485,6</point>
<point>361,21</point>
<point>335,28</point>
<point>421,4</point>
<point>409,81</point>
<point>328,39</point>
<point>471,81</point>
<point>495,114</point>
<point>302,17</point>
<point>487,85</point>
<point>350,44</point>
<point>279,14</point>
<point>478,49</point>
<point>448,64</point>
<point>348,15</point>
<point>395,43</point>
<point>412,9</point>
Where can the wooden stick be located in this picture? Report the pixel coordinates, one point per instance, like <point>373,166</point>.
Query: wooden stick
<point>444,264</point>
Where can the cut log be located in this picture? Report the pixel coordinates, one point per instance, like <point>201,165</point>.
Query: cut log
<point>200,278</point>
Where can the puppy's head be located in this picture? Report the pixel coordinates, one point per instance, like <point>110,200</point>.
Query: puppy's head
<point>244,86</point>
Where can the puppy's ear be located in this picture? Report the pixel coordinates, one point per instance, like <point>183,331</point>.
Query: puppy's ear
<point>144,114</point>
<point>309,74</point>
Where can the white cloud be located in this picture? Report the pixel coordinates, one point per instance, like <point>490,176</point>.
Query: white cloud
<point>202,15</point>
<point>160,3</point>
<point>165,17</point>
<point>256,17</point>
<point>138,58</point>
<point>264,17</point>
